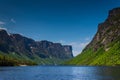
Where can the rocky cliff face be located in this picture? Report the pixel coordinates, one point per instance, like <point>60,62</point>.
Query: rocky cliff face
<point>104,49</point>
<point>108,31</point>
<point>25,46</point>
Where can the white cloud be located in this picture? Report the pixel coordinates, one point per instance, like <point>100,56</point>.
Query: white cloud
<point>12,20</point>
<point>2,23</point>
<point>62,41</point>
<point>87,38</point>
<point>78,47</point>
<point>79,44</point>
<point>3,28</point>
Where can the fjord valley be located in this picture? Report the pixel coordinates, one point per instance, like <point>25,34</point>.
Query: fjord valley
<point>16,49</point>
<point>59,40</point>
<point>104,49</point>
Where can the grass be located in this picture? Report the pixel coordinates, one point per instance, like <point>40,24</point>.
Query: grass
<point>13,59</point>
<point>99,58</point>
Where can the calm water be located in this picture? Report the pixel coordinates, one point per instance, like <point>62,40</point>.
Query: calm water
<point>59,73</point>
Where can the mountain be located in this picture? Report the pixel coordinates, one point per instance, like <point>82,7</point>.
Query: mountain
<point>104,49</point>
<point>17,49</point>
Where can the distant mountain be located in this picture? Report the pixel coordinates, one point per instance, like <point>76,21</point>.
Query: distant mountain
<point>104,49</point>
<point>23,50</point>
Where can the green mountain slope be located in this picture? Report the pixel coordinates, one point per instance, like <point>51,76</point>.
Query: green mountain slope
<point>100,57</point>
<point>13,59</point>
<point>16,49</point>
<point>104,49</point>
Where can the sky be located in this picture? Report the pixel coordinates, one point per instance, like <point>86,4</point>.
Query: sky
<point>70,22</point>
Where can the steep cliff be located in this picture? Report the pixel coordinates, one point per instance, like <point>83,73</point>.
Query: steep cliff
<point>108,32</point>
<point>104,49</point>
<point>16,44</point>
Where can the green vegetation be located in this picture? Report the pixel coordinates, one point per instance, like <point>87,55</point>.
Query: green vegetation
<point>100,57</point>
<point>48,61</point>
<point>13,59</point>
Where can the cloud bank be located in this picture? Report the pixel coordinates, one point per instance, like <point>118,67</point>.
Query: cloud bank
<point>2,23</point>
<point>12,20</point>
<point>77,46</point>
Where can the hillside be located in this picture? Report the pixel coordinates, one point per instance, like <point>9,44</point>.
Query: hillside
<point>16,49</point>
<point>104,49</point>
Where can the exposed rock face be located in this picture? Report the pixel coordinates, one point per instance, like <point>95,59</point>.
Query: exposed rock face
<point>26,46</point>
<point>108,32</point>
<point>5,41</point>
<point>52,49</point>
<point>104,49</point>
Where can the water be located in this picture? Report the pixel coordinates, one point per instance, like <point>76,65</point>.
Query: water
<point>59,73</point>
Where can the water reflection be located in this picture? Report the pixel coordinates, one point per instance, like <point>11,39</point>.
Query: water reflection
<point>112,73</point>
<point>59,73</point>
<point>96,73</point>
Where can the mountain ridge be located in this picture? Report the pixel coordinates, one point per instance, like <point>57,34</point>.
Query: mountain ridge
<point>20,45</point>
<point>104,49</point>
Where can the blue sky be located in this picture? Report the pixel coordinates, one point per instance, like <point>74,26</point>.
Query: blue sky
<point>71,22</point>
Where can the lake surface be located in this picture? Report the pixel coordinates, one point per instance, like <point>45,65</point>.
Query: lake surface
<point>59,73</point>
